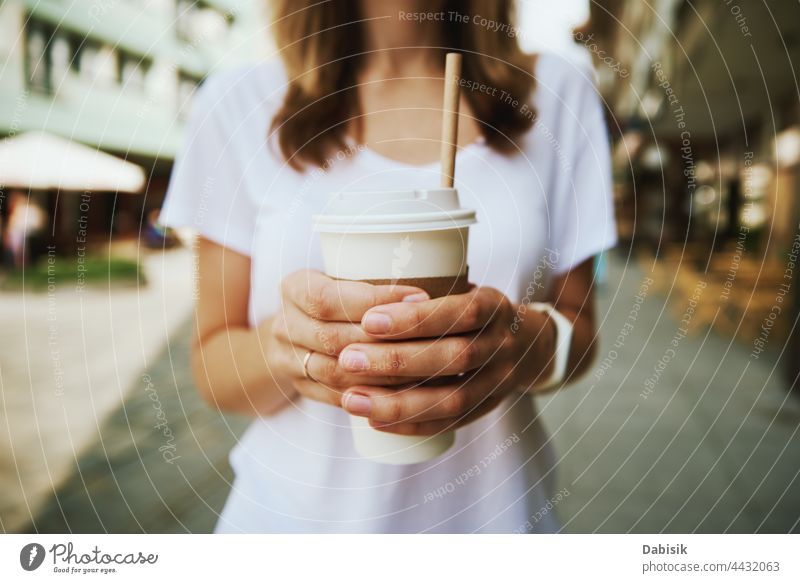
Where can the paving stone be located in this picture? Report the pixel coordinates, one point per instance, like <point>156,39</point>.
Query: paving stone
<point>714,447</point>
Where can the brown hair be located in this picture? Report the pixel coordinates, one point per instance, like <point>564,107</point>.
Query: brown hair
<point>322,47</point>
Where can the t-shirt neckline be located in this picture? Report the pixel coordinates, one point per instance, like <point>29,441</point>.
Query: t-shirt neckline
<point>366,151</point>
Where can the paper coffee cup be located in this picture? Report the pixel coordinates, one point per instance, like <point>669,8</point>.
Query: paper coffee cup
<point>405,237</point>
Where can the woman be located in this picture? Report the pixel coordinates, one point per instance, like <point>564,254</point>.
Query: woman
<point>354,103</point>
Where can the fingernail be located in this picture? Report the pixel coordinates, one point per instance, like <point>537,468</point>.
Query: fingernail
<point>357,404</point>
<point>354,360</point>
<point>377,323</point>
<point>418,297</point>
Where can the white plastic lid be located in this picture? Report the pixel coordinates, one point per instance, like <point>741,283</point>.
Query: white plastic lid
<point>394,211</point>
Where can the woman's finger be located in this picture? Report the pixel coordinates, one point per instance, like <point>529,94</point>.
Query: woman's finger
<point>421,358</point>
<point>294,327</point>
<point>332,300</point>
<point>440,425</point>
<point>433,318</point>
<point>423,403</point>
<point>319,392</point>
<point>326,370</point>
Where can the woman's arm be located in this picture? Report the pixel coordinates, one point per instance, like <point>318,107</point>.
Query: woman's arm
<point>228,360</point>
<point>258,370</point>
<point>573,296</point>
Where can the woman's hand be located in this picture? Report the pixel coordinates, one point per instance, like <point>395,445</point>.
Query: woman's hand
<point>323,315</point>
<point>465,343</point>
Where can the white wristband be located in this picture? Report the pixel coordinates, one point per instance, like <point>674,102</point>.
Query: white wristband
<point>563,344</point>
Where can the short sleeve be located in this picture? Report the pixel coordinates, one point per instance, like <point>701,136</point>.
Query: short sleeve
<point>206,191</point>
<point>581,205</point>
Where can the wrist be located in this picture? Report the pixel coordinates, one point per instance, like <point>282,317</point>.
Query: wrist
<point>267,339</point>
<point>536,332</point>
<point>265,336</point>
<point>275,378</point>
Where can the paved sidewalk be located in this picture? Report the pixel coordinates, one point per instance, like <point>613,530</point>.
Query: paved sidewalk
<point>68,360</point>
<point>160,465</point>
<point>707,442</point>
<point>705,438</point>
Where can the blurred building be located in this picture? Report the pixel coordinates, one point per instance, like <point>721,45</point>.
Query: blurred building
<point>714,79</point>
<point>704,107</point>
<point>117,76</point>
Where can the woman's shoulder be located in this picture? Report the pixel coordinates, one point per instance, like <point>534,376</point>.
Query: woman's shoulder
<point>563,76</point>
<point>564,87</point>
<point>243,89</point>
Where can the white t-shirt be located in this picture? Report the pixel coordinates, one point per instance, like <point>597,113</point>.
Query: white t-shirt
<point>540,212</point>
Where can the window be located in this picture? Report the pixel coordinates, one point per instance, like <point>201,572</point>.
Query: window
<point>187,85</point>
<point>76,44</point>
<point>183,15</point>
<point>132,70</point>
<point>98,64</point>
<point>51,54</point>
<point>198,22</point>
<point>38,55</point>
<point>60,57</point>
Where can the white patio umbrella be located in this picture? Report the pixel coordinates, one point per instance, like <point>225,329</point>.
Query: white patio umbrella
<point>39,160</point>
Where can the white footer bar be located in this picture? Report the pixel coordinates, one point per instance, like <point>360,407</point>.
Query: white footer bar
<point>396,558</point>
